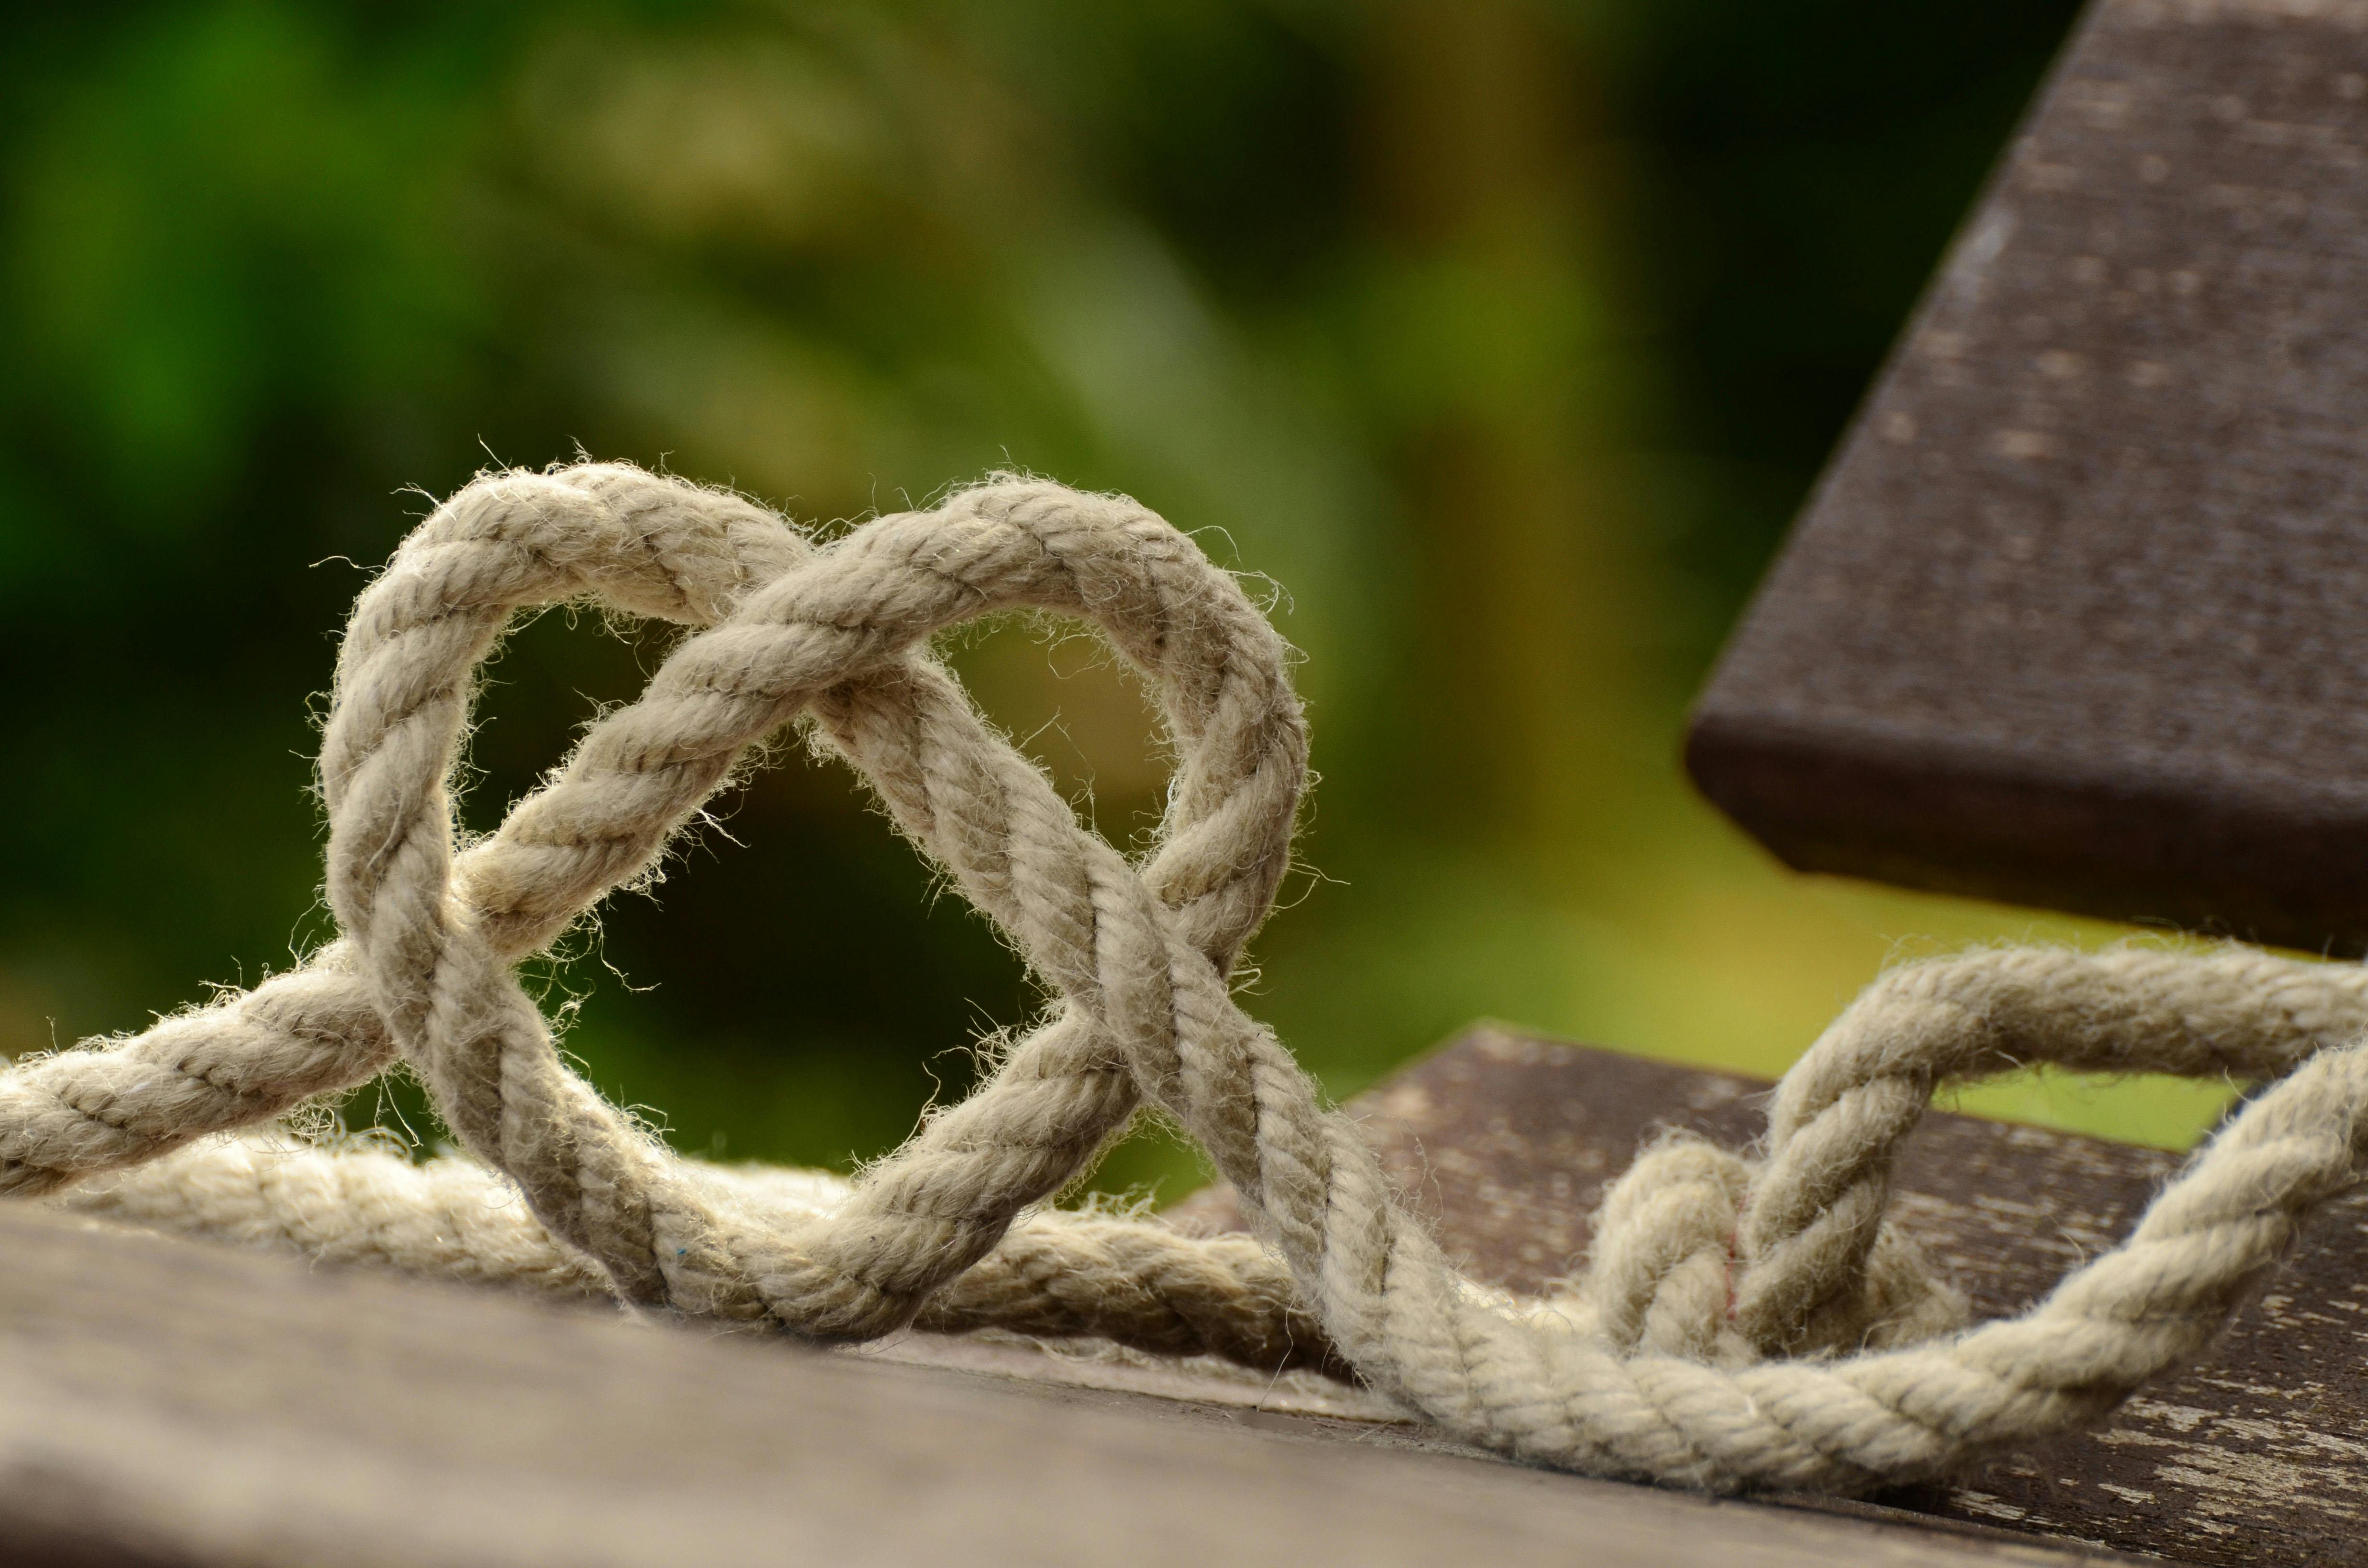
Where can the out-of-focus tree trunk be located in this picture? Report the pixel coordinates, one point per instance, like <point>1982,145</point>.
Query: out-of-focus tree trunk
<point>1494,202</point>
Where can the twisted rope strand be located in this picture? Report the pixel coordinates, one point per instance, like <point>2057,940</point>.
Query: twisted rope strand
<point>1745,1321</point>
<point>1058,1273</point>
<point>855,610</point>
<point>635,544</point>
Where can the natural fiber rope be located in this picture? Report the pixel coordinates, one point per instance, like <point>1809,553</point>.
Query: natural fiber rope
<point>1745,1323</point>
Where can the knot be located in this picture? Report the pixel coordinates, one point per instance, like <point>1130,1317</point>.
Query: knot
<point>1746,1321</point>
<point>835,638</point>
<point>1668,1269</point>
<point>1661,1269</point>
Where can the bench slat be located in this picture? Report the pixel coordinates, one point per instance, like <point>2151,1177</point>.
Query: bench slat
<point>2258,1458</point>
<point>170,1404</point>
<point>2076,618</point>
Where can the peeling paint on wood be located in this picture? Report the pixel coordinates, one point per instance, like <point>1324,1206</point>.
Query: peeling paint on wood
<point>2256,1458</point>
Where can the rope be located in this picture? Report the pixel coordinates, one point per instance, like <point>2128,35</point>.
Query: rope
<point>1746,1322</point>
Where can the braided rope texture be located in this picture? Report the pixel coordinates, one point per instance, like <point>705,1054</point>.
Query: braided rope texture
<point>1745,1321</point>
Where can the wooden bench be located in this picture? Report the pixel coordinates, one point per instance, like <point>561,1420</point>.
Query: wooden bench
<point>165,1402</point>
<point>2074,619</point>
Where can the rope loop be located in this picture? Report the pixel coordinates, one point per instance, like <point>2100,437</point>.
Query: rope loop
<point>1752,1319</point>
<point>839,633</point>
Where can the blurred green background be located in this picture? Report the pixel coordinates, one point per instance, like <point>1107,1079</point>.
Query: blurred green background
<point>1503,337</point>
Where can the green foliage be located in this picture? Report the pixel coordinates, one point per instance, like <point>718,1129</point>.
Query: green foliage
<point>1504,338</point>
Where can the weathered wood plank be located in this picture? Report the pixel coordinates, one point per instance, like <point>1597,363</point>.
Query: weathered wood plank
<point>2257,1459</point>
<point>166,1404</point>
<point>2075,616</point>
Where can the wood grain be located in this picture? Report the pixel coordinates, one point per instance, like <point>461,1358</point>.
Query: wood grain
<point>2074,616</point>
<point>168,1404</point>
<point>2256,1458</point>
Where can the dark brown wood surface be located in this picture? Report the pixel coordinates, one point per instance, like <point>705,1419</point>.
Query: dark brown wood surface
<point>2078,615</point>
<point>2256,1458</point>
<point>169,1404</point>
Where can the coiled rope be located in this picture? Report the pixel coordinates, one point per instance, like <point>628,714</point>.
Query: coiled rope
<point>1745,1323</point>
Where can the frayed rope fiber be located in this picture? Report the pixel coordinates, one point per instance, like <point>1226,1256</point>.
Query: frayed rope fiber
<point>1745,1322</point>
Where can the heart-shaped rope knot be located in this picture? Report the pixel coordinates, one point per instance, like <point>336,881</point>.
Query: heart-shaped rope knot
<point>838,634</point>
<point>1746,1322</point>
